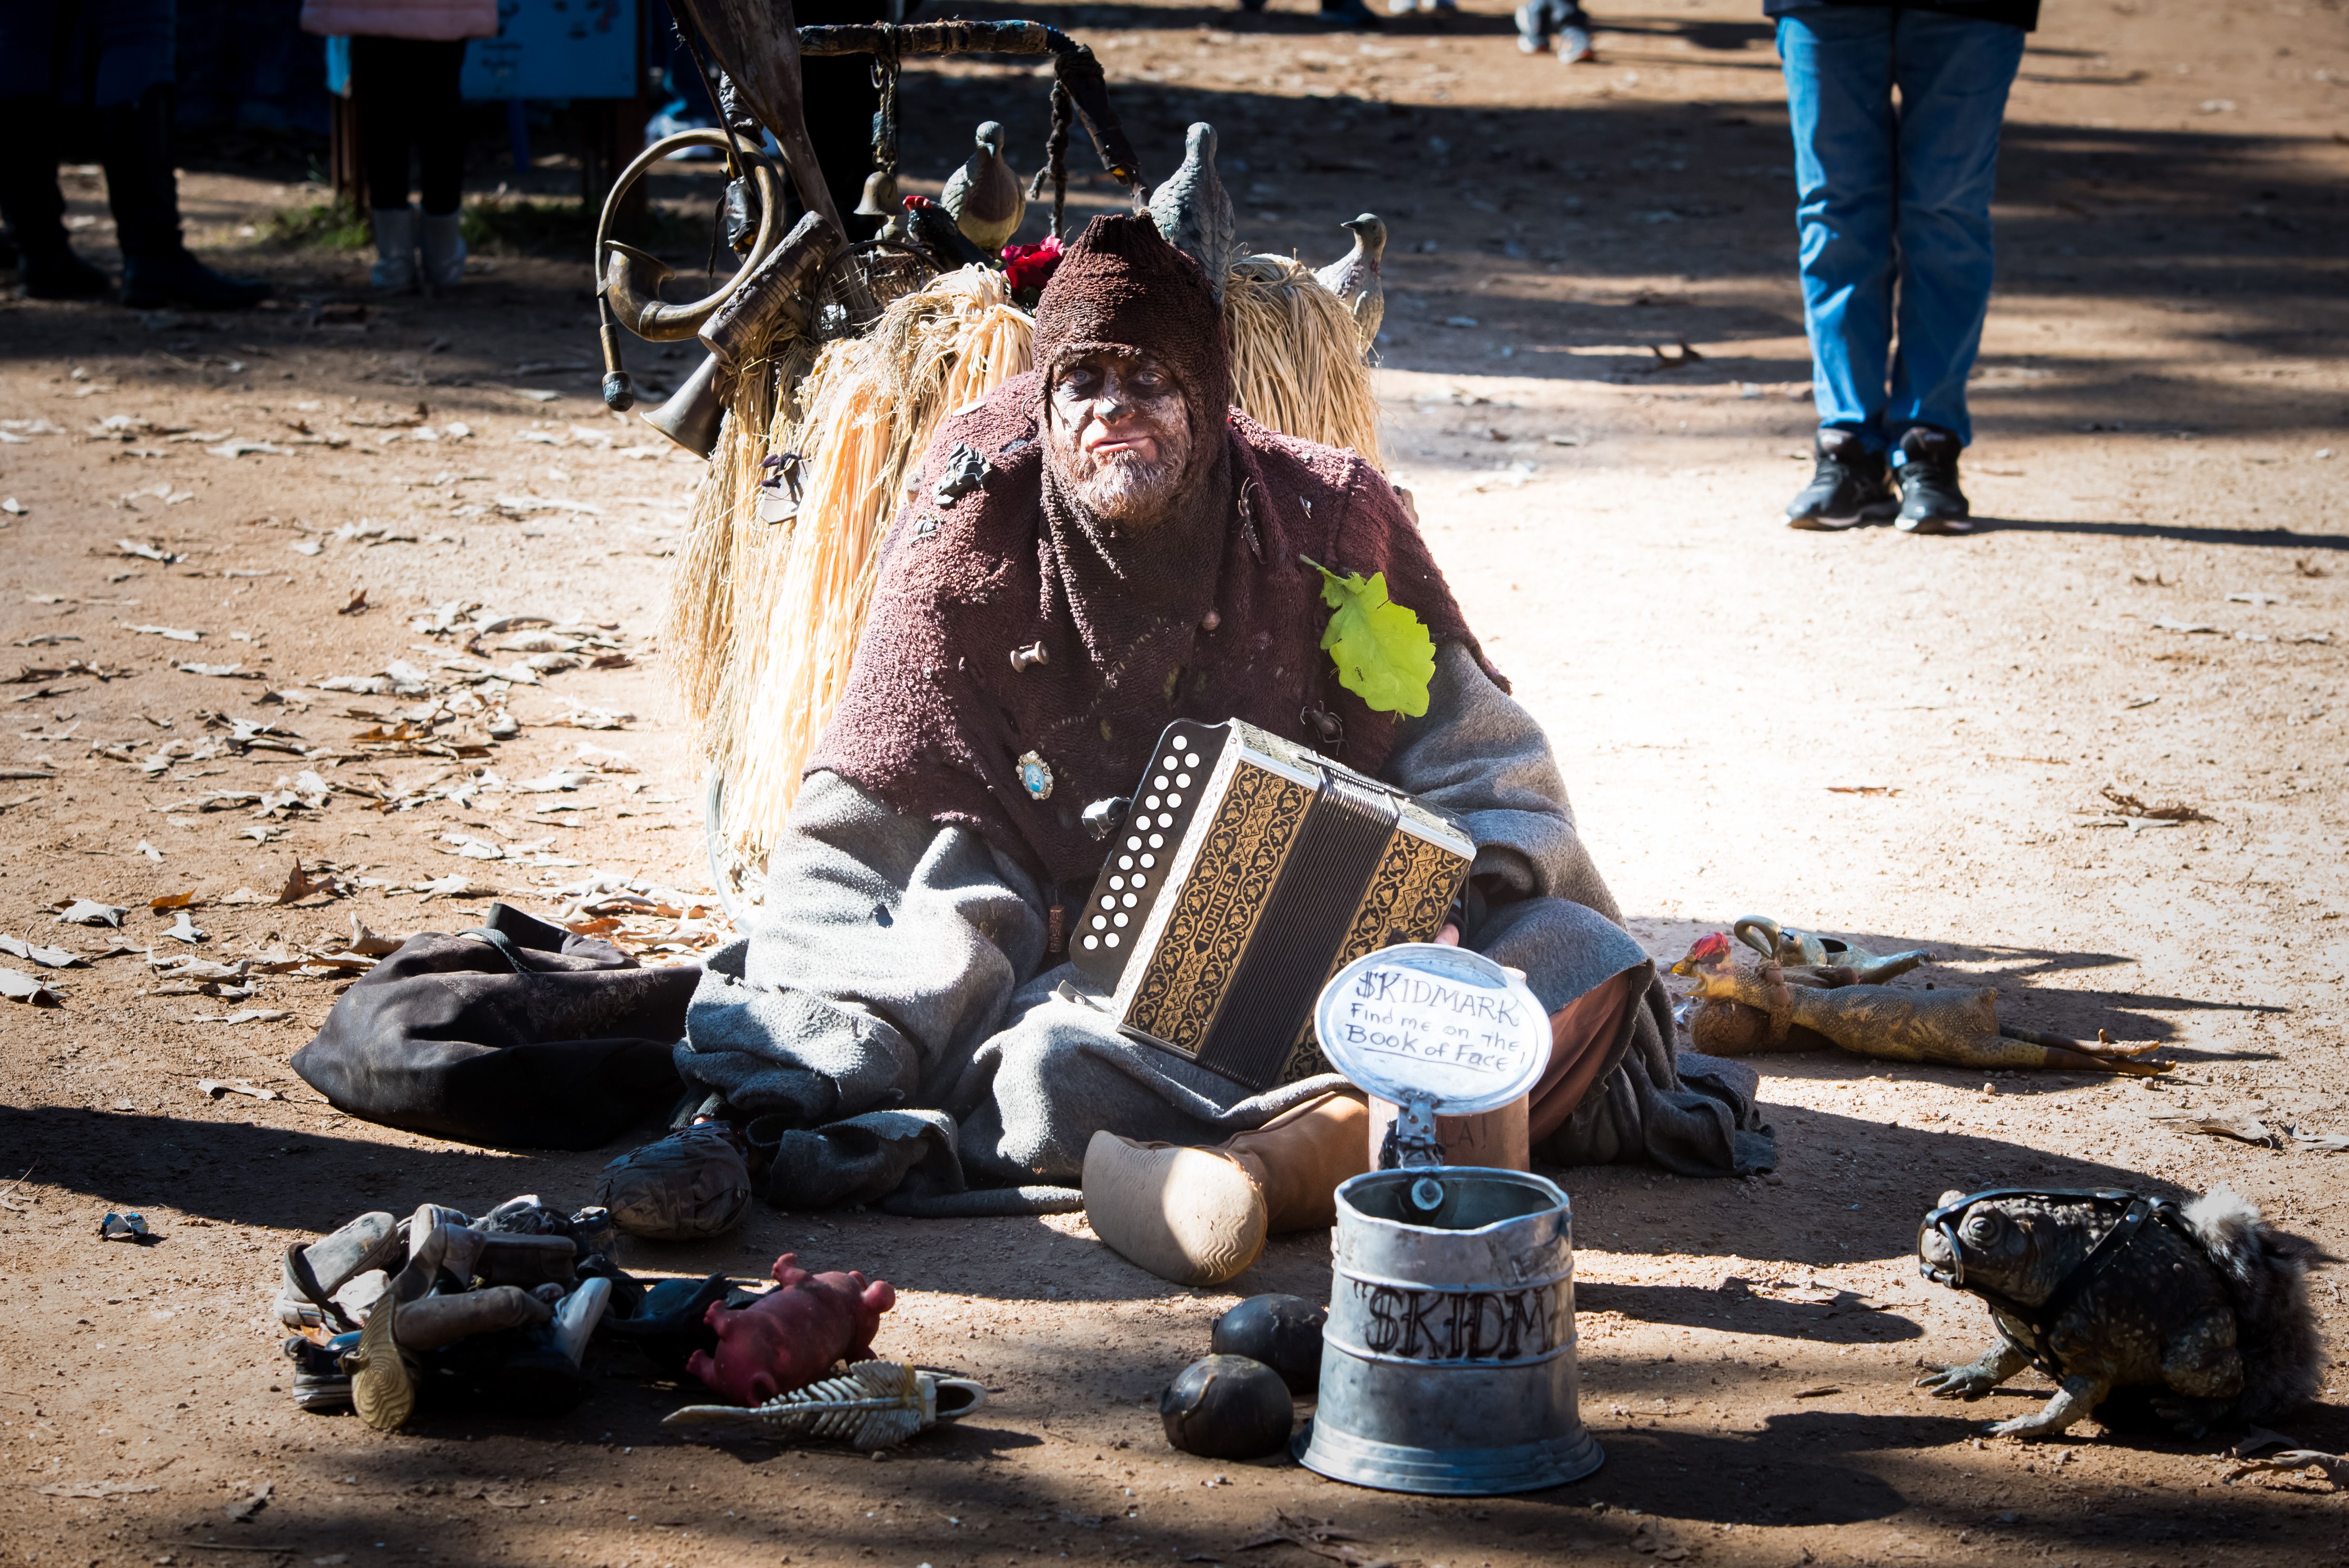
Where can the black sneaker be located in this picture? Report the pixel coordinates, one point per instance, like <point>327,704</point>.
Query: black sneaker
<point>1848,486</point>
<point>1930,501</point>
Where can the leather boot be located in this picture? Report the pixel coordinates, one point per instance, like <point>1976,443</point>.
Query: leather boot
<point>1200,1216</point>
<point>313,1273</point>
<point>143,190</point>
<point>34,207</point>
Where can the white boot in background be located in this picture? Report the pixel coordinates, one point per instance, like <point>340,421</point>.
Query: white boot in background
<point>444,250</point>
<point>395,250</point>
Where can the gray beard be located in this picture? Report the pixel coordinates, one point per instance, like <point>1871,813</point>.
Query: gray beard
<point>1120,489</point>
<point>1126,490</point>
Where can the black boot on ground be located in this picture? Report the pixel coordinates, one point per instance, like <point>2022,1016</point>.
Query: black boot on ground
<point>58,273</point>
<point>1930,501</point>
<point>1848,487</point>
<point>35,209</point>
<point>135,143</point>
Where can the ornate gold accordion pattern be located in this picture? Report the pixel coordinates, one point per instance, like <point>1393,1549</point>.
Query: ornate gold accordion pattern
<point>1249,869</point>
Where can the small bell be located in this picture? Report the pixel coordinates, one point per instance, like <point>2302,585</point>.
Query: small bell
<point>880,195</point>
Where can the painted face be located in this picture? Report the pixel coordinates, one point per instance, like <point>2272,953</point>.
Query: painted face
<point>1120,436</point>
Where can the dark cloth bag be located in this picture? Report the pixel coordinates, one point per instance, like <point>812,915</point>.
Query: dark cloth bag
<point>518,1036</point>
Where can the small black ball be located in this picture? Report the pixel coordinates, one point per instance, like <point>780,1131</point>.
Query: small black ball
<point>1283,1331</point>
<point>1228,1408</point>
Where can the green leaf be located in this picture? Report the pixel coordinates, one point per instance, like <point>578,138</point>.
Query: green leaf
<point>1383,653</point>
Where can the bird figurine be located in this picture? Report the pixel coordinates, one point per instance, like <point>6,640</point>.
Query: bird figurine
<point>878,1405</point>
<point>984,195</point>
<point>1354,277</point>
<point>1194,210</point>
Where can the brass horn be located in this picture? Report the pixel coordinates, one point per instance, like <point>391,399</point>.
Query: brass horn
<point>692,415</point>
<point>631,279</point>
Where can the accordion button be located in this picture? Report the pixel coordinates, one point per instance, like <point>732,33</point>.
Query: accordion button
<point>1157,843</point>
<point>1116,883</point>
<point>1120,920</point>
<point>1111,940</point>
<point>1125,863</point>
<point>1150,860</point>
<point>1174,800</point>
<point>1134,843</point>
<point>1183,780</point>
<point>1130,900</point>
<point>1137,881</point>
<point>1192,760</point>
<point>1150,803</point>
<point>1101,923</point>
<point>1159,782</point>
<point>1165,820</point>
<point>1092,942</point>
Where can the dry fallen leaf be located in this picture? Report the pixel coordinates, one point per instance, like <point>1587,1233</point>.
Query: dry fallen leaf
<point>19,987</point>
<point>2130,806</point>
<point>242,1510</point>
<point>89,912</point>
<point>214,1089</point>
<point>2334,1466</point>
<point>2249,1129</point>
<point>47,957</point>
<point>171,901</point>
<point>300,884</point>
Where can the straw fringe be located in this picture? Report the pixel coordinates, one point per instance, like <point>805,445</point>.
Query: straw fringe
<point>764,618</point>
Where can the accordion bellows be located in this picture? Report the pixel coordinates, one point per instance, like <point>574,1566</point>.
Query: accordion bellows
<point>1248,872</point>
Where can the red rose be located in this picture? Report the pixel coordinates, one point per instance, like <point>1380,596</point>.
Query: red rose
<point>1031,266</point>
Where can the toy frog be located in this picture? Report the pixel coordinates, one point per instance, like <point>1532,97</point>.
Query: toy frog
<point>2199,1310</point>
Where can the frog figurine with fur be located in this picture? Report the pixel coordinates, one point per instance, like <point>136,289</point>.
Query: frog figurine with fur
<point>2199,1310</point>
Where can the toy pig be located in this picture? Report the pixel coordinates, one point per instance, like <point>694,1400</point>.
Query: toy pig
<point>790,1336</point>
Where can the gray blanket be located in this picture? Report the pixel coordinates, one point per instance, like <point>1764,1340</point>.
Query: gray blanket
<point>892,1022</point>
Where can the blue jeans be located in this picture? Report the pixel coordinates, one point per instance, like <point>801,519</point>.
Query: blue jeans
<point>1895,194</point>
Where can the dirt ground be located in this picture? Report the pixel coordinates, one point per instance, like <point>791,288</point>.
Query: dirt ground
<point>1898,739</point>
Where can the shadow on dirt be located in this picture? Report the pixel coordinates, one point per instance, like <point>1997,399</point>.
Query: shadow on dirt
<point>1736,1310</point>
<point>2261,538</point>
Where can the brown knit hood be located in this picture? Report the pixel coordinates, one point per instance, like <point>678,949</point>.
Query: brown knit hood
<point>1121,289</point>
<point>1208,615</point>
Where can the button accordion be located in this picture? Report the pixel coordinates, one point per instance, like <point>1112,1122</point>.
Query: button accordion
<point>1248,872</point>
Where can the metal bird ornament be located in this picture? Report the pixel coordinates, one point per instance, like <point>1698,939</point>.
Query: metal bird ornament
<point>1193,212</point>
<point>878,1405</point>
<point>1354,277</point>
<point>984,194</point>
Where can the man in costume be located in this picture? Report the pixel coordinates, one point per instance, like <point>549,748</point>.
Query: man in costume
<point>898,1023</point>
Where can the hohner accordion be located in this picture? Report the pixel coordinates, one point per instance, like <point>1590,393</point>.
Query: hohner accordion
<point>1248,870</point>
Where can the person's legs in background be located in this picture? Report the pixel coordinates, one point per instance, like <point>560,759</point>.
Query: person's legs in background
<point>31,205</point>
<point>1839,68</point>
<point>1953,73</point>
<point>387,122</point>
<point>433,72</point>
<point>143,190</point>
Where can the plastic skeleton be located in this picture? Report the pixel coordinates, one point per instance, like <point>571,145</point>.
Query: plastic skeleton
<point>878,1405</point>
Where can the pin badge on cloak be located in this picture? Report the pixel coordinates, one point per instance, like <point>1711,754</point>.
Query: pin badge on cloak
<point>1035,776</point>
